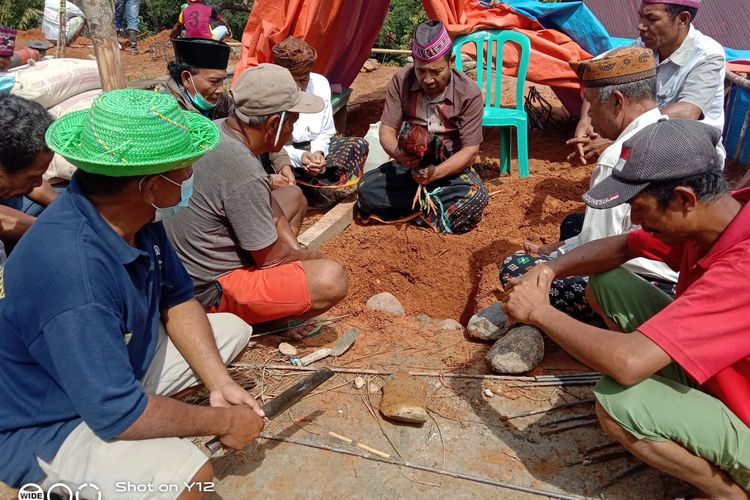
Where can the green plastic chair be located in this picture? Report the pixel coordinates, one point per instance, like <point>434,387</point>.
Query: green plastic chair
<point>487,79</point>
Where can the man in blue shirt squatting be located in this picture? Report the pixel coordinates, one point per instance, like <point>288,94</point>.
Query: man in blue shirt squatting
<point>99,326</point>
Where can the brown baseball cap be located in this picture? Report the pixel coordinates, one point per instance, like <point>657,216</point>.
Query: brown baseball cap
<point>267,89</point>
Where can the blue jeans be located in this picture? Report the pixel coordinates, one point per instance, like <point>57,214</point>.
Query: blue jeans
<point>126,14</point>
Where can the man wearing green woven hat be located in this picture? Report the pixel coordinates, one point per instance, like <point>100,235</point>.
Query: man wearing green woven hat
<point>98,320</point>
<point>234,238</point>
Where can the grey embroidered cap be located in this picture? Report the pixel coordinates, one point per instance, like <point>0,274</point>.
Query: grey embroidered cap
<point>667,150</point>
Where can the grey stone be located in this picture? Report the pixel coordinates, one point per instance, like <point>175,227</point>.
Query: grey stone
<point>409,60</point>
<point>468,62</point>
<point>386,302</point>
<point>520,350</point>
<point>450,324</point>
<point>489,324</point>
<point>423,318</point>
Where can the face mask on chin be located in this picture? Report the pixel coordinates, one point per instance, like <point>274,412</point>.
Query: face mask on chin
<point>7,81</point>
<point>200,101</point>
<point>186,191</point>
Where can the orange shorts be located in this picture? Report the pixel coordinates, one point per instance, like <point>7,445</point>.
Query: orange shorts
<point>261,295</point>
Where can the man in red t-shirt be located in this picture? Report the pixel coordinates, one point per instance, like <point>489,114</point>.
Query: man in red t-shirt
<point>200,20</point>
<point>676,390</point>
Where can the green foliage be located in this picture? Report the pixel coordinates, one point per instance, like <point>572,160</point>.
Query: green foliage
<point>402,18</point>
<point>21,14</point>
<point>157,15</point>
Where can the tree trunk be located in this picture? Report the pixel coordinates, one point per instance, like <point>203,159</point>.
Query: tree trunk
<point>62,38</point>
<point>100,16</point>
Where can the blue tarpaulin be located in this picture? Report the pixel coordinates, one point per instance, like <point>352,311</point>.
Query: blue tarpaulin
<point>577,21</point>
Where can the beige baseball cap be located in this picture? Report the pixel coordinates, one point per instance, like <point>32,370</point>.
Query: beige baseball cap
<point>267,89</point>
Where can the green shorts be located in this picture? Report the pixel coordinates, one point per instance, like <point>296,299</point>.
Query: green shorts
<point>668,406</point>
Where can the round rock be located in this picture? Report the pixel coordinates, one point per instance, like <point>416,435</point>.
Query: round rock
<point>386,302</point>
<point>359,382</point>
<point>287,349</point>
<point>520,350</point>
<point>450,324</point>
<point>489,324</point>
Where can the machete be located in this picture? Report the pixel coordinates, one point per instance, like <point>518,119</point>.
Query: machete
<point>285,400</point>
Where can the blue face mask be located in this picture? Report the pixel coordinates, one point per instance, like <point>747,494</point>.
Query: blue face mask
<point>7,80</point>
<point>200,101</point>
<point>186,191</point>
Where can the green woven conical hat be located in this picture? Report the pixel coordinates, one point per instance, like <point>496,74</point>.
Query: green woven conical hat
<point>132,132</point>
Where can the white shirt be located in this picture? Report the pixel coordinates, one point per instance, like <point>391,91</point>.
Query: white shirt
<point>694,73</point>
<point>613,221</point>
<point>317,128</point>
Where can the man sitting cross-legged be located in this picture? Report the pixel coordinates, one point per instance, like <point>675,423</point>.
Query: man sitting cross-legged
<point>234,238</point>
<point>98,321</point>
<point>676,391</point>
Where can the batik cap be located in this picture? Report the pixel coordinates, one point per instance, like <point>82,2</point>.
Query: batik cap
<point>686,3</point>
<point>295,55</point>
<point>668,150</point>
<point>7,41</point>
<point>430,41</point>
<point>616,67</point>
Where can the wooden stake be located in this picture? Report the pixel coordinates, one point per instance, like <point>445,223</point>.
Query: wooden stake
<point>100,14</point>
<point>62,38</point>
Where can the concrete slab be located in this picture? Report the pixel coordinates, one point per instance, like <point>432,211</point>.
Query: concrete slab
<point>335,221</point>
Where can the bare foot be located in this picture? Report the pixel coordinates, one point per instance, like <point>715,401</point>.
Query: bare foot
<point>300,332</point>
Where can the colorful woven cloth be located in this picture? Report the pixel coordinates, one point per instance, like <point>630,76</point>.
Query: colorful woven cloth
<point>345,163</point>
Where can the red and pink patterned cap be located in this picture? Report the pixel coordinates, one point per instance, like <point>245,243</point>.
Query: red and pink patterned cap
<point>7,41</point>
<point>430,42</point>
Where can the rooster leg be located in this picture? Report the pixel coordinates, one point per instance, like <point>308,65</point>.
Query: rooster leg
<point>417,197</point>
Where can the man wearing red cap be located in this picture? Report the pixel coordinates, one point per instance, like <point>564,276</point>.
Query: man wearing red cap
<point>689,74</point>
<point>447,105</point>
<point>677,372</point>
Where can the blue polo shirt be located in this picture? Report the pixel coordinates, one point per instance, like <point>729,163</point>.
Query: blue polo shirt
<point>79,319</point>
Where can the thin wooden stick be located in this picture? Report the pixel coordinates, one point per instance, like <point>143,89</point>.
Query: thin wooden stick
<point>365,371</point>
<point>403,463</point>
<point>366,448</point>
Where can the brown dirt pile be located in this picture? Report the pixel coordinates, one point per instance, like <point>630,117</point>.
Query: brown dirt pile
<point>447,276</point>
